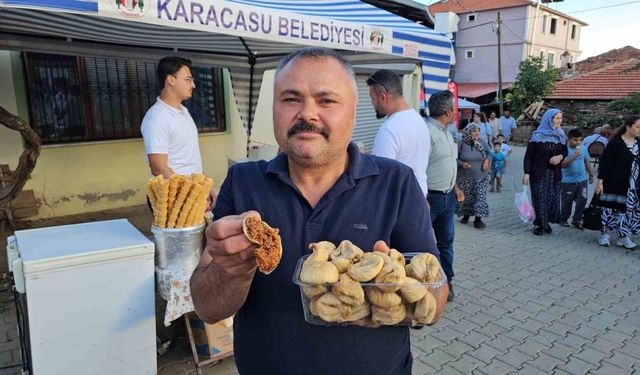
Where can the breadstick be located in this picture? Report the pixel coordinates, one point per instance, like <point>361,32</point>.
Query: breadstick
<point>161,214</point>
<point>197,177</point>
<point>196,215</point>
<point>188,205</point>
<point>208,184</point>
<point>155,183</point>
<point>179,202</point>
<point>153,198</point>
<point>175,181</point>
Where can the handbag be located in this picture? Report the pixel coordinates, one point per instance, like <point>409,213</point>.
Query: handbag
<point>592,218</point>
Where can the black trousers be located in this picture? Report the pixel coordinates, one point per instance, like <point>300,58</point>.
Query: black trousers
<point>574,192</point>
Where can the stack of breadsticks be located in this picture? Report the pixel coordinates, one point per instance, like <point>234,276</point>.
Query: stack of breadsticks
<point>179,201</point>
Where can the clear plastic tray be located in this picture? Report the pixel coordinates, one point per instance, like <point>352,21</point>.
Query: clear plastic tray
<point>364,318</point>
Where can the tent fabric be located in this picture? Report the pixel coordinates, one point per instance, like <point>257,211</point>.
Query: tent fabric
<point>246,56</point>
<point>474,90</point>
<point>465,104</point>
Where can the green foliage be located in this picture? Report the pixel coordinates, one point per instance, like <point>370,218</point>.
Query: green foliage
<point>534,82</point>
<point>590,122</point>
<point>617,111</point>
<point>628,104</point>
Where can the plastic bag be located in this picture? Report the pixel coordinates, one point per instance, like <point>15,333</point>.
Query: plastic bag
<point>524,206</point>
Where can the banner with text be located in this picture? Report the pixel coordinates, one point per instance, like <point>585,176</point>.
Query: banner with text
<point>251,22</point>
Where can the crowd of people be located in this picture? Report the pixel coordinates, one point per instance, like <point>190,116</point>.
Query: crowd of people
<point>462,164</point>
<point>465,164</point>
<point>558,169</point>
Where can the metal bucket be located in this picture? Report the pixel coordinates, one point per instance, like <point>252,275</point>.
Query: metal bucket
<point>178,247</point>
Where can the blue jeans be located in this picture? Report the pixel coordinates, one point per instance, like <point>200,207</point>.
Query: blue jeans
<point>442,220</point>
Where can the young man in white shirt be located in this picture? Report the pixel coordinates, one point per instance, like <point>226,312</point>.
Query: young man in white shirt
<point>404,136</point>
<point>170,135</point>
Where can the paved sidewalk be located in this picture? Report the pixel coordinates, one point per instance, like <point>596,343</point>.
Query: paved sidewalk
<point>525,304</point>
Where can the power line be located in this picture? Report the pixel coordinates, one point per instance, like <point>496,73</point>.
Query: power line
<point>578,11</point>
<point>567,13</point>
<point>512,33</point>
<point>478,25</point>
<point>604,7</point>
<point>492,22</point>
<point>518,39</point>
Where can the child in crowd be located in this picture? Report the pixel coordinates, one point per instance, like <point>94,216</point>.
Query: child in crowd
<point>576,176</point>
<point>497,167</point>
<point>506,150</point>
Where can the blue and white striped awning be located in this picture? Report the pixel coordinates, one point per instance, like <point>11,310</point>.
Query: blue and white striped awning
<point>236,29</point>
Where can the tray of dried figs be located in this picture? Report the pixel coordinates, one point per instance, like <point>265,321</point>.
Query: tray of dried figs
<point>347,286</point>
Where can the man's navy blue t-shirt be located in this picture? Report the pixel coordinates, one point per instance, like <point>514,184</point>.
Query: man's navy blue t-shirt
<point>375,199</point>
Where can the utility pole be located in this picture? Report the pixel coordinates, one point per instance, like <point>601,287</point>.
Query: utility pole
<point>533,31</point>
<point>499,32</point>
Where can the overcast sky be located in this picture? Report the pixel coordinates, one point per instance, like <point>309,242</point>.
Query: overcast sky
<point>610,27</point>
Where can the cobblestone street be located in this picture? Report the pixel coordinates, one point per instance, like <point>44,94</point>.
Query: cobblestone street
<point>534,305</point>
<point>524,304</point>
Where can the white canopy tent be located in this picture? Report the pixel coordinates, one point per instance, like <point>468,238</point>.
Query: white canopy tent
<point>246,36</point>
<point>465,104</point>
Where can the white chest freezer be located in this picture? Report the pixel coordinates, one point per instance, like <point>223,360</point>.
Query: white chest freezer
<point>89,295</point>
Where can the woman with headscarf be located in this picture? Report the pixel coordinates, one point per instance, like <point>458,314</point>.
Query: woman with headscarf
<point>619,187</point>
<point>543,169</point>
<point>473,178</point>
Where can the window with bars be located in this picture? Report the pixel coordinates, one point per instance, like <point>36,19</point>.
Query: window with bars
<point>79,99</point>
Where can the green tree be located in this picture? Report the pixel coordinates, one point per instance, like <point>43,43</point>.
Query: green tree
<point>534,82</point>
<point>616,112</point>
<point>628,104</point>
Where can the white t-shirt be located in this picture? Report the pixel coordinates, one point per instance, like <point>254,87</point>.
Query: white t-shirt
<point>405,137</point>
<point>495,127</point>
<point>171,131</point>
<point>486,134</point>
<point>505,149</point>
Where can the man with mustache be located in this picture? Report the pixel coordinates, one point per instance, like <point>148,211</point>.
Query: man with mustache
<point>170,135</point>
<point>319,188</point>
<point>404,136</point>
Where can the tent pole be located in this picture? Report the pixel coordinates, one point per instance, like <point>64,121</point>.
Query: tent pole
<point>252,62</point>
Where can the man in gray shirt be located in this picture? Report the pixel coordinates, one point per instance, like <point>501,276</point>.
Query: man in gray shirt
<point>507,124</point>
<point>441,174</point>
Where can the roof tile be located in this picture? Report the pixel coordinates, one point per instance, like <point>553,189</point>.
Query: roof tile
<point>467,6</point>
<point>613,82</point>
